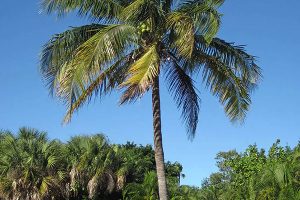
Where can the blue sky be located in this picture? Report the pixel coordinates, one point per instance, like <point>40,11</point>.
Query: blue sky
<point>271,31</point>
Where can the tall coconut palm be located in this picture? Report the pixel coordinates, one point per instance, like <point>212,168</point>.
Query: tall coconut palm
<point>131,43</point>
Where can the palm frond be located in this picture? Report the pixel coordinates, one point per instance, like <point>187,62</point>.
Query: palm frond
<point>235,57</point>
<point>141,75</point>
<point>109,44</point>
<point>89,60</point>
<point>190,19</point>
<point>205,16</point>
<point>182,88</point>
<point>229,72</point>
<point>101,85</point>
<point>232,89</point>
<point>141,10</point>
<point>47,183</point>
<point>226,85</point>
<point>61,49</point>
<point>134,10</point>
<point>188,3</point>
<point>107,10</point>
<point>182,34</point>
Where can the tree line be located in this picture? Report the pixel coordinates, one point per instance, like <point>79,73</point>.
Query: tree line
<point>33,167</point>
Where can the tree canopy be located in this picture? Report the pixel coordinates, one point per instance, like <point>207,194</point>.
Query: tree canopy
<point>131,42</point>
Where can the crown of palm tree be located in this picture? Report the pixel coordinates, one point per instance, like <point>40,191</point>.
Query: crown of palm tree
<point>131,42</point>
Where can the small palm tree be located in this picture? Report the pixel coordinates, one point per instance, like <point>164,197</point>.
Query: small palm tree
<point>92,166</point>
<point>131,43</point>
<point>31,167</point>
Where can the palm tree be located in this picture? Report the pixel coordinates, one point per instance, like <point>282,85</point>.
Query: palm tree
<point>128,46</point>
<point>31,167</point>
<point>92,166</point>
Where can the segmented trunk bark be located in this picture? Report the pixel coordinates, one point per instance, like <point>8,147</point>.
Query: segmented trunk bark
<point>158,146</point>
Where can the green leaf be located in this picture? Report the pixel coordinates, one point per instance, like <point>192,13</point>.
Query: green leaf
<point>181,86</point>
<point>101,10</point>
<point>141,75</point>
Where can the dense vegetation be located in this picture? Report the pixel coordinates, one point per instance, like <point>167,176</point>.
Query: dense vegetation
<point>89,167</point>
<point>256,174</point>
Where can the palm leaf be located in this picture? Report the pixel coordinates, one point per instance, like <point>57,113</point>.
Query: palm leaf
<point>61,49</point>
<point>141,75</point>
<point>141,10</point>
<point>229,72</point>
<point>232,93</point>
<point>205,17</point>
<point>101,85</point>
<point>182,88</point>
<point>182,35</point>
<point>235,57</point>
<point>88,60</point>
<point>107,10</point>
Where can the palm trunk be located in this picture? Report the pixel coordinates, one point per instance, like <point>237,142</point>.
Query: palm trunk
<point>158,146</point>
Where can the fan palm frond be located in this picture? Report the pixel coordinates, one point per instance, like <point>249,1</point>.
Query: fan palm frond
<point>29,165</point>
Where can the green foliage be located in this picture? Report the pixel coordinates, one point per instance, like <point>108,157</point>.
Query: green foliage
<point>89,167</point>
<point>147,190</point>
<point>254,175</point>
<point>31,166</point>
<point>131,42</point>
<point>86,167</point>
